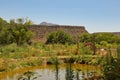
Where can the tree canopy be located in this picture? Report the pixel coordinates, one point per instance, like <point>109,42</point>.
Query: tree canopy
<point>99,38</point>
<point>59,37</point>
<point>16,31</point>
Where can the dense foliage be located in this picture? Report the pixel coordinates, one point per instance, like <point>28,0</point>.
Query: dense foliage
<point>58,37</point>
<point>99,38</point>
<point>15,31</point>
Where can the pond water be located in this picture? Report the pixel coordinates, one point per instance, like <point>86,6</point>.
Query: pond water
<point>48,72</point>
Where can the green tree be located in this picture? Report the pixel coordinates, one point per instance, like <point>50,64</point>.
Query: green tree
<point>4,37</point>
<point>20,32</point>
<point>58,37</point>
<point>16,31</point>
<point>3,24</point>
<point>103,43</point>
<point>108,37</point>
<point>85,37</point>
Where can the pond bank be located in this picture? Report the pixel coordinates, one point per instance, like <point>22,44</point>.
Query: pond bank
<point>14,64</point>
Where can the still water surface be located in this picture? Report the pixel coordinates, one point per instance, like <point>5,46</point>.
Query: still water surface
<point>47,72</point>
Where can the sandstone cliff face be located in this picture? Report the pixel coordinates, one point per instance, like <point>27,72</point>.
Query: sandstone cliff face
<point>41,31</point>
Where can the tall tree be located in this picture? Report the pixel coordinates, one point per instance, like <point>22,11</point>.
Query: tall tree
<point>17,30</point>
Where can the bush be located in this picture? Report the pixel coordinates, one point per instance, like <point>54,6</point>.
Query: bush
<point>59,37</point>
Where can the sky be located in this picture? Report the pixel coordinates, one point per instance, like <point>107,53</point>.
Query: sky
<point>95,15</point>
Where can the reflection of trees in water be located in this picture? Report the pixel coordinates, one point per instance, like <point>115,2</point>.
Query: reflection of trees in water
<point>29,75</point>
<point>70,74</point>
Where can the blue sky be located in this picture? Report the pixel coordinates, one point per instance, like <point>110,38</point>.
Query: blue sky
<point>95,15</point>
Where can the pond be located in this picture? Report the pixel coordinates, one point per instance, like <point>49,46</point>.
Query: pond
<point>48,72</point>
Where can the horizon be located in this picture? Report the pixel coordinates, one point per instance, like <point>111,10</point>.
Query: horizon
<point>96,16</point>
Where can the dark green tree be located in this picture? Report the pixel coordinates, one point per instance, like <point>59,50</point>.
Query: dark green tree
<point>5,35</point>
<point>3,24</point>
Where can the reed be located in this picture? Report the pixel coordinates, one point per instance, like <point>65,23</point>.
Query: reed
<point>69,72</point>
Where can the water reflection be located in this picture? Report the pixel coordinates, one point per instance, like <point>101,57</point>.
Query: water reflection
<point>48,72</point>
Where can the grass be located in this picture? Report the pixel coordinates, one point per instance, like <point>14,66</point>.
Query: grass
<point>14,51</point>
<point>30,55</point>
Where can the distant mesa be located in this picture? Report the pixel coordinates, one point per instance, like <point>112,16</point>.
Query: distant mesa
<point>44,28</point>
<point>48,24</point>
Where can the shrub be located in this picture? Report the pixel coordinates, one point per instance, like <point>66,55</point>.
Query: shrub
<point>58,37</point>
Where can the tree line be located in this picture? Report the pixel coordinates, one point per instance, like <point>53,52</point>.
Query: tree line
<point>16,31</point>
<point>99,38</point>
